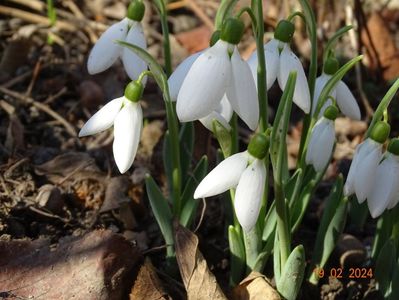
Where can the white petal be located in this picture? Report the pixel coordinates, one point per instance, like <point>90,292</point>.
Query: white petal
<point>290,62</point>
<point>346,102</point>
<point>127,131</point>
<point>249,194</point>
<point>103,119</point>
<point>133,64</point>
<point>208,121</point>
<point>319,85</point>
<point>105,52</point>
<point>317,130</point>
<point>324,147</point>
<point>224,177</point>
<point>360,152</point>
<point>205,84</point>
<point>241,92</point>
<point>365,172</point>
<point>176,79</point>
<point>394,196</point>
<point>225,109</point>
<point>384,184</point>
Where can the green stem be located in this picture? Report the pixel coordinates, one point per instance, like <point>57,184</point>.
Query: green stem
<point>257,7</point>
<point>165,32</point>
<point>145,73</point>
<point>282,223</point>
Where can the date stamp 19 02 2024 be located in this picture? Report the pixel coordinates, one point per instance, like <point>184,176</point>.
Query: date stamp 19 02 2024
<point>351,273</point>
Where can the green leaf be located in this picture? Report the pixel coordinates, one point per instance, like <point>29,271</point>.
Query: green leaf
<point>186,137</point>
<point>384,268</point>
<point>189,203</point>
<point>161,210</point>
<point>224,11</point>
<point>298,208</point>
<point>167,162</point>
<point>237,256</point>
<point>276,258</point>
<point>292,187</point>
<point>394,283</point>
<point>224,137</point>
<point>270,223</point>
<point>331,227</point>
<point>292,275</point>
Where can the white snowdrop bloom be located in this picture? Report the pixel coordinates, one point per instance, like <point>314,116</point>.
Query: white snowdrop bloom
<point>321,142</point>
<point>385,188</point>
<point>105,52</point>
<point>341,93</point>
<point>244,171</point>
<point>365,161</point>
<point>216,72</point>
<point>126,115</point>
<point>280,61</point>
<point>222,114</point>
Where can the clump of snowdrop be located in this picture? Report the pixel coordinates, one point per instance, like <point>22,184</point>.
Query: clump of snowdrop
<point>322,140</point>
<point>344,97</point>
<point>105,52</point>
<point>280,61</point>
<point>126,115</point>
<point>365,161</point>
<point>244,171</point>
<point>385,188</point>
<point>217,72</point>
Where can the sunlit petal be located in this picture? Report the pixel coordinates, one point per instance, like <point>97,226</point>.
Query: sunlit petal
<point>346,102</point>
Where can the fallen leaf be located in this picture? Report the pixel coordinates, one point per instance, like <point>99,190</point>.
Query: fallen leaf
<point>97,265</point>
<point>200,283</point>
<point>255,287</point>
<point>196,39</point>
<point>147,285</point>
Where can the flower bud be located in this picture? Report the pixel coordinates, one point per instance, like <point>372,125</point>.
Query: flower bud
<point>284,31</point>
<point>393,146</point>
<point>214,38</point>
<point>232,31</point>
<point>136,10</point>
<point>331,66</point>
<point>331,112</point>
<point>259,145</point>
<point>380,132</point>
<point>134,91</point>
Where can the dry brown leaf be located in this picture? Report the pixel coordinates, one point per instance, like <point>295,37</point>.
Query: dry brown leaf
<point>200,283</point>
<point>147,285</point>
<point>255,287</point>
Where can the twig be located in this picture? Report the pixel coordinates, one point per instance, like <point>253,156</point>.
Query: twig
<point>10,170</point>
<point>48,214</point>
<point>43,107</point>
<point>60,93</point>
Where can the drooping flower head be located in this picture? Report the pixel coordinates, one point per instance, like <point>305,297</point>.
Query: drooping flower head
<point>126,115</point>
<point>105,52</point>
<point>365,161</point>
<point>385,187</point>
<point>244,171</point>
<point>322,140</point>
<point>345,99</point>
<point>280,61</point>
<point>217,72</point>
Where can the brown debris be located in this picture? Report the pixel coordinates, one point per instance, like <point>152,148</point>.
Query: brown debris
<point>98,265</point>
<point>255,287</point>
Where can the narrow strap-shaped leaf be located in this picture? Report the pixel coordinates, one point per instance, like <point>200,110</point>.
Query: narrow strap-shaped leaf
<point>189,203</point>
<point>186,137</point>
<point>270,222</point>
<point>385,266</point>
<point>292,275</point>
<point>167,162</point>
<point>162,212</point>
<point>276,258</point>
<point>237,256</point>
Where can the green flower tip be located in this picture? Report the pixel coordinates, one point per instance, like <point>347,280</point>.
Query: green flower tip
<point>331,112</point>
<point>284,31</point>
<point>259,145</point>
<point>134,91</point>
<point>393,146</point>
<point>380,132</point>
<point>331,66</point>
<point>232,31</point>
<point>136,10</point>
<point>214,38</point>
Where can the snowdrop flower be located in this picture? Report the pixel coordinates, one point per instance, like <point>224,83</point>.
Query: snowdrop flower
<point>344,97</point>
<point>322,140</point>
<point>217,71</point>
<point>365,161</point>
<point>105,52</point>
<point>385,188</point>
<point>280,61</point>
<point>126,115</point>
<point>222,113</point>
<point>244,171</point>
